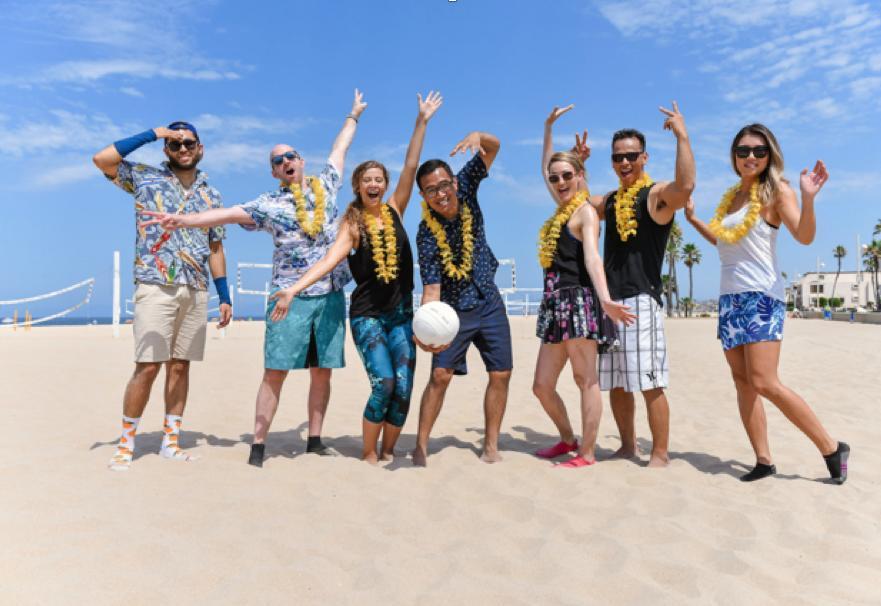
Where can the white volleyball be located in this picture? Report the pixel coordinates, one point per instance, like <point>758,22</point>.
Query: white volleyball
<point>435,324</point>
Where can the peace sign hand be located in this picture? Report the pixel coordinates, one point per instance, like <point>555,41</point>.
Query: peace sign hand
<point>358,104</point>
<point>430,105</point>
<point>581,146</point>
<point>167,221</point>
<point>812,182</point>
<point>557,112</point>
<point>675,121</point>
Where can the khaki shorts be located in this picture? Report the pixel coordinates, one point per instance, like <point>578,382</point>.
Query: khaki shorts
<point>170,322</point>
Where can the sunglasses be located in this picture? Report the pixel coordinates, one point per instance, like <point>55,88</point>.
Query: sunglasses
<point>631,157</point>
<point>566,176</point>
<point>279,160</point>
<point>175,145</point>
<point>759,151</point>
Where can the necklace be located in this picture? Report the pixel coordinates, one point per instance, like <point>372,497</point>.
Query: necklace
<point>463,270</point>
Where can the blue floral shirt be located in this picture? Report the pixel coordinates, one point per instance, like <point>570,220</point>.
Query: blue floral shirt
<point>464,294</point>
<point>295,252</point>
<point>180,256</point>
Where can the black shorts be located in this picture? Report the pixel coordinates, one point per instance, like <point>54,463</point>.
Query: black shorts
<point>487,327</point>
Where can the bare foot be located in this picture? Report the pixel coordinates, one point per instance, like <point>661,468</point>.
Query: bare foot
<point>387,456</point>
<point>490,456</point>
<point>370,457</point>
<point>657,460</point>
<point>420,457</point>
<point>627,453</point>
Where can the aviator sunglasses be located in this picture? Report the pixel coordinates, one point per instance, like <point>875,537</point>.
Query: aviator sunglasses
<point>743,151</point>
<point>566,176</point>
<point>290,155</point>
<point>175,145</point>
<point>631,157</point>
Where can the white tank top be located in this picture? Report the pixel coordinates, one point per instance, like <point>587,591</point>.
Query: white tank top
<point>750,264</point>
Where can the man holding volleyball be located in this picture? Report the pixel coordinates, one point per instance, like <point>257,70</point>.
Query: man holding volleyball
<point>458,267</point>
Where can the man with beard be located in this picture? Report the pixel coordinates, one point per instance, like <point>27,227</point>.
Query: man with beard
<point>638,218</point>
<point>171,277</point>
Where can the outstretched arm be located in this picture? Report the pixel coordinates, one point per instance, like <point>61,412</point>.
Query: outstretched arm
<point>108,159</point>
<point>401,197</point>
<point>347,133</point>
<point>485,144</point>
<point>674,194</point>
<point>334,256</point>
<point>589,230</point>
<point>208,218</point>
<point>701,227</point>
<point>802,223</point>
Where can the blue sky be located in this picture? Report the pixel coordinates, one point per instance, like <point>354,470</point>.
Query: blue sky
<point>80,74</point>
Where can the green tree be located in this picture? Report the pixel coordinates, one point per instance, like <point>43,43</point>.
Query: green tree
<point>674,242</point>
<point>839,252</point>
<point>691,256</point>
<point>872,262</point>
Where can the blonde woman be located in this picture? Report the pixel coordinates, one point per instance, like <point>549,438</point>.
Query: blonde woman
<point>570,321</point>
<point>751,307</point>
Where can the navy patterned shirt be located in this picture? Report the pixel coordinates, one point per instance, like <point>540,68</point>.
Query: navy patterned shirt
<point>466,294</point>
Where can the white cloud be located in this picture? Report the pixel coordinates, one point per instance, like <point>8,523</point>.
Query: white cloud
<point>64,175</point>
<point>131,91</point>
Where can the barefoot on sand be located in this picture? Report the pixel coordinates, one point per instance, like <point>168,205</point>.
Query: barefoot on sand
<point>419,458</point>
<point>490,456</point>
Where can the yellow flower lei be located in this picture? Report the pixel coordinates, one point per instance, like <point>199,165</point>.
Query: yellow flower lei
<point>464,269</point>
<point>730,235</point>
<point>385,254</point>
<point>550,231</point>
<point>625,214</point>
<point>313,227</point>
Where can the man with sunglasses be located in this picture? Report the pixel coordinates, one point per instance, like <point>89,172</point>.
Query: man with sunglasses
<point>639,216</point>
<point>463,276</point>
<point>171,277</point>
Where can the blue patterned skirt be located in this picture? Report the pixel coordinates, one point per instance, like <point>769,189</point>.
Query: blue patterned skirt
<point>749,317</point>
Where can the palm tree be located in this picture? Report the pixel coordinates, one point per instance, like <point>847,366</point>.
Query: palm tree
<point>872,262</point>
<point>839,252</point>
<point>877,229</point>
<point>691,256</point>
<point>674,241</point>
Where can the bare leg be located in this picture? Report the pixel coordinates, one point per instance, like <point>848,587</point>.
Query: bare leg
<point>659,424</point>
<point>624,410</point>
<point>551,360</point>
<point>752,411</point>
<point>370,432</point>
<point>177,384</point>
<point>267,402</point>
<point>494,403</point>
<point>319,396</point>
<point>137,392</point>
<point>390,434</point>
<point>583,357</point>
<point>761,363</point>
<point>429,409</point>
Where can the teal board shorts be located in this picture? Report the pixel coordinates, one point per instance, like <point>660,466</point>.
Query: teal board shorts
<point>312,335</point>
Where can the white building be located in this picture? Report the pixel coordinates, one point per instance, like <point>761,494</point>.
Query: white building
<point>853,288</point>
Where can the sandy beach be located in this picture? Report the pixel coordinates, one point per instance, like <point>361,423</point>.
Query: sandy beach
<point>312,530</point>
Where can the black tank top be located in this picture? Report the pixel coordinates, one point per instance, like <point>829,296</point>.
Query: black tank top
<point>634,267</point>
<point>568,264</point>
<point>372,297</point>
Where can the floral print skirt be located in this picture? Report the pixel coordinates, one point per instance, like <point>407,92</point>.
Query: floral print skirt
<point>749,317</point>
<point>570,313</point>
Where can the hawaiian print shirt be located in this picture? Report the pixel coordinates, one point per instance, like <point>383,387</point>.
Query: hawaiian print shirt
<point>295,252</point>
<point>176,257</point>
<point>465,294</point>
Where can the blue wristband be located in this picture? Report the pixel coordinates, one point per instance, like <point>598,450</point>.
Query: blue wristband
<point>127,146</point>
<point>222,290</point>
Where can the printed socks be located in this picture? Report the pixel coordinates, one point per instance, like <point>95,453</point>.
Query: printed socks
<point>125,448</point>
<point>170,448</point>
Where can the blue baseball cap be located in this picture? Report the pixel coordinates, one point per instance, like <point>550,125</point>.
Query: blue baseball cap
<point>181,125</point>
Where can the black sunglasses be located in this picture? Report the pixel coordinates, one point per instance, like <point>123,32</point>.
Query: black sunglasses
<point>565,176</point>
<point>175,145</point>
<point>279,160</point>
<point>759,151</point>
<point>631,157</point>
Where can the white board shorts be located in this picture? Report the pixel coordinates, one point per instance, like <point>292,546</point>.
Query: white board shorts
<point>639,362</point>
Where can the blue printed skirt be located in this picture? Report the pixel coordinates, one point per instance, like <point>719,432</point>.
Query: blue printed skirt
<point>749,317</point>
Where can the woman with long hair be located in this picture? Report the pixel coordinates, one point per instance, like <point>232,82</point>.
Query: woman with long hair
<point>373,239</point>
<point>570,321</point>
<point>751,299</point>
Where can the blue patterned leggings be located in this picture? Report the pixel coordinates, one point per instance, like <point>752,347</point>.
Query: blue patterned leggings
<point>389,355</point>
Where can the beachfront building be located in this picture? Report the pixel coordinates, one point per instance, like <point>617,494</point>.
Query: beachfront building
<point>854,288</point>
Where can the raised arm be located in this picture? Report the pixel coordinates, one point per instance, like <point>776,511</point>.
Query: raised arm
<point>108,159</point>
<point>208,218</point>
<point>673,195</point>
<point>701,227</point>
<point>547,149</point>
<point>338,251</point>
<point>347,133</point>
<point>594,263</point>
<point>401,196</point>
<point>485,144</point>
<point>802,223</point>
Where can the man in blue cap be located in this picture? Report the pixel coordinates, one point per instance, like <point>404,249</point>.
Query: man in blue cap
<point>171,277</point>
